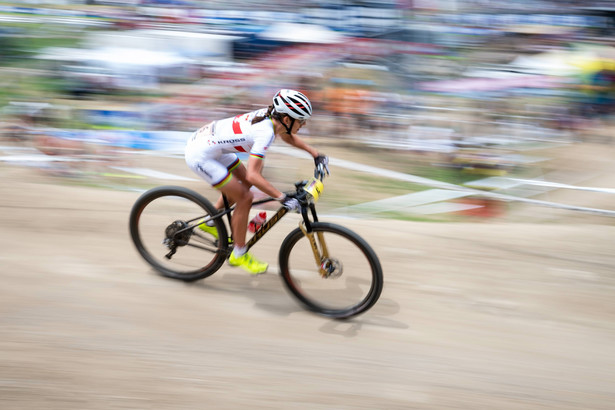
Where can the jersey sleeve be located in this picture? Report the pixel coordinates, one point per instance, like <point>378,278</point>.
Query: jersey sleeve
<point>263,138</point>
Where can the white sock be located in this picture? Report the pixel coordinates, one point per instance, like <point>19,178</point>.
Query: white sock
<point>210,222</point>
<point>239,251</point>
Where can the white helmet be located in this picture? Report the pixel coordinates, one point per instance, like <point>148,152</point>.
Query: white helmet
<point>293,103</point>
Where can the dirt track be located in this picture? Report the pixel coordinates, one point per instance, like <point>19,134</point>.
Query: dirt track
<point>488,315</point>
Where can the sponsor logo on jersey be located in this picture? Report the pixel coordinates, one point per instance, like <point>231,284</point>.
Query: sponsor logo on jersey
<point>232,141</point>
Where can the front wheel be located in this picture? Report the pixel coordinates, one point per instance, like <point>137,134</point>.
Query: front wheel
<point>166,226</point>
<point>346,280</point>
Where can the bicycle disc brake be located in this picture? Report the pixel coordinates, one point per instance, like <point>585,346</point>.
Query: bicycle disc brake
<point>331,268</point>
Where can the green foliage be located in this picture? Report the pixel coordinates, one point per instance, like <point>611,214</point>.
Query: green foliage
<point>390,186</point>
<point>444,174</point>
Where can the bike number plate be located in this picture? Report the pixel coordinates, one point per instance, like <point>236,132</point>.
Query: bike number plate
<point>314,187</point>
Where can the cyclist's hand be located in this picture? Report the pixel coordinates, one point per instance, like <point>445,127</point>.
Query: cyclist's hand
<point>290,203</point>
<point>322,164</point>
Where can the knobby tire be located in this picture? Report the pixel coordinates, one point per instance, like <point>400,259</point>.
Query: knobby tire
<point>294,286</point>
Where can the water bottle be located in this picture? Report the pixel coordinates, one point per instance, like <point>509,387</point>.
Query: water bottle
<point>258,221</point>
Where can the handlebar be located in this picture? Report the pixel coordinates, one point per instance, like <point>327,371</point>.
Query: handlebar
<point>300,193</point>
<point>302,196</point>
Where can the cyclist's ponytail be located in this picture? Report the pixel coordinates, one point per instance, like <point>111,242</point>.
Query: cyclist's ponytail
<point>262,117</point>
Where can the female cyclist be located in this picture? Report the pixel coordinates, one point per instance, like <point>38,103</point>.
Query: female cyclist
<point>211,153</point>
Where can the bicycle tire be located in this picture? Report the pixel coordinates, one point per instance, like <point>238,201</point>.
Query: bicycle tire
<point>219,248</point>
<point>336,237</point>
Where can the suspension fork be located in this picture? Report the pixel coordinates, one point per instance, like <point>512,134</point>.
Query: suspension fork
<point>320,255</point>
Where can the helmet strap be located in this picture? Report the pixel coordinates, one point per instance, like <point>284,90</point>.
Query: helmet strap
<point>280,118</point>
<point>292,123</point>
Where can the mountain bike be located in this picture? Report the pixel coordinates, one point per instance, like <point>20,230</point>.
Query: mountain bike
<point>330,269</point>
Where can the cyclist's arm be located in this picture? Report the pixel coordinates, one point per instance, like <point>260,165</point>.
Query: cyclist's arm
<point>297,142</point>
<point>255,177</point>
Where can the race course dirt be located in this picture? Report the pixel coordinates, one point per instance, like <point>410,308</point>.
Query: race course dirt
<point>490,315</point>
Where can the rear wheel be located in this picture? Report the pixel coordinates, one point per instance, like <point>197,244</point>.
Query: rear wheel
<point>345,283</point>
<point>164,226</point>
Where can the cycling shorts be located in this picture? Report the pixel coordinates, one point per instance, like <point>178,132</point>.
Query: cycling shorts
<point>207,161</point>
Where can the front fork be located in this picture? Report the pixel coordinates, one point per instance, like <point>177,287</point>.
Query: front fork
<point>321,255</point>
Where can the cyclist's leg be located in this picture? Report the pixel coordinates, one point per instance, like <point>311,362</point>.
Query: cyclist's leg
<point>238,170</point>
<point>237,190</point>
<point>241,173</point>
<point>212,167</point>
<point>238,194</point>
<point>219,172</point>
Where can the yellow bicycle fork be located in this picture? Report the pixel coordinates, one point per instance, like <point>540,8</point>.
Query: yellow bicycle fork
<point>320,254</point>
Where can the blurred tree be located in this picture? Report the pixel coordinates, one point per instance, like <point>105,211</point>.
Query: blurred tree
<point>9,45</point>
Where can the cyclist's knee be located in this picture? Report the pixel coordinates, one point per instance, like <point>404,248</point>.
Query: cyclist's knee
<point>246,198</point>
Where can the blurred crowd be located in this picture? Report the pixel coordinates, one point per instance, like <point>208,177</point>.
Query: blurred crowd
<point>417,75</point>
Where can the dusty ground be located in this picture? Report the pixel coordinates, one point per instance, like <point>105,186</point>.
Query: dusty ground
<point>497,314</point>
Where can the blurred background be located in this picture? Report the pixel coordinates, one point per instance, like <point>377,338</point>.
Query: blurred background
<point>477,93</point>
<point>494,117</point>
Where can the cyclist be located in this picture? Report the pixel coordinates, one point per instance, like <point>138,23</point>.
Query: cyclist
<point>211,153</point>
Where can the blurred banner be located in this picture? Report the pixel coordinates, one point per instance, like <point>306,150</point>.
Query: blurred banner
<point>173,141</point>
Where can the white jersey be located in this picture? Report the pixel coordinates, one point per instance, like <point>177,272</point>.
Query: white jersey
<point>238,134</point>
<point>212,151</point>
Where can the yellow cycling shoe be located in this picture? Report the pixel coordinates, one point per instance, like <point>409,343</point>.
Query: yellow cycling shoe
<point>248,263</point>
<point>212,230</point>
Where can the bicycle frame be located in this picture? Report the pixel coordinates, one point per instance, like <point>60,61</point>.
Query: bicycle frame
<point>228,209</point>
<point>266,226</point>
<point>305,226</point>
<point>275,218</point>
